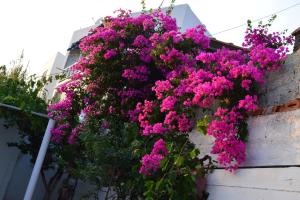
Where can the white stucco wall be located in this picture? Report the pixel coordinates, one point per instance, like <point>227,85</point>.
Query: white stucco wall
<point>272,166</point>
<point>54,66</point>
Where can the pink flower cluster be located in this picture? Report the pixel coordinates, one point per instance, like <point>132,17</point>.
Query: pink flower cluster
<point>172,120</point>
<point>151,162</point>
<point>249,103</point>
<point>230,150</point>
<point>139,73</point>
<point>197,35</point>
<point>110,54</point>
<point>261,36</point>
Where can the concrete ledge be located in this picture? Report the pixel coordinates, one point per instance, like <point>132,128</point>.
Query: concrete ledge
<point>255,184</point>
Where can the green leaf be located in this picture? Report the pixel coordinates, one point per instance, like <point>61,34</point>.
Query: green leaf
<point>170,146</point>
<point>149,192</point>
<point>149,184</point>
<point>164,164</point>
<point>158,184</point>
<point>179,161</point>
<point>136,143</point>
<point>202,125</point>
<point>194,153</point>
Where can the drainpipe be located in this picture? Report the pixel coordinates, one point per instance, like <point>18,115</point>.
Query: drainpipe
<point>42,152</point>
<point>39,161</point>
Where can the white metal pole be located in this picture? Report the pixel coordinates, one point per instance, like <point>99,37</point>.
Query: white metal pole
<point>39,161</point>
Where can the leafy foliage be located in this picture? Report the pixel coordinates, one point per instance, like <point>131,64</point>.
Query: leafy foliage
<point>19,89</point>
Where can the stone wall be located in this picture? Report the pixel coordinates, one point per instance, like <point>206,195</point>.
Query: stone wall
<point>282,85</point>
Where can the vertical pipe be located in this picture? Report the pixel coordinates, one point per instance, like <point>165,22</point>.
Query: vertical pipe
<point>39,161</point>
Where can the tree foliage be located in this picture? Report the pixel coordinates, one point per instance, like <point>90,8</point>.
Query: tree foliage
<point>26,92</point>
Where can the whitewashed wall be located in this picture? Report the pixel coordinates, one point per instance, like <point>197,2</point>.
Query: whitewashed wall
<point>52,67</point>
<point>272,168</point>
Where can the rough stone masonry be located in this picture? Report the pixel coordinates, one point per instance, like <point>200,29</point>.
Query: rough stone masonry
<point>283,85</point>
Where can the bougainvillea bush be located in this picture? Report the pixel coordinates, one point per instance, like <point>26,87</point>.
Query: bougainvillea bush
<point>141,86</point>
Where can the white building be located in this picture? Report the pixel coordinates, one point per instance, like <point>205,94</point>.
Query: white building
<point>54,66</point>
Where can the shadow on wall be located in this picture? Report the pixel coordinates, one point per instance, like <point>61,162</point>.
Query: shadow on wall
<point>15,169</point>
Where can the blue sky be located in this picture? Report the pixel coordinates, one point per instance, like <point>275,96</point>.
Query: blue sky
<point>43,27</point>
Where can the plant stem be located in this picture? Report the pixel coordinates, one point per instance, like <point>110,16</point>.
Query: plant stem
<point>109,185</point>
<point>159,7</point>
<point>47,190</point>
<point>170,7</point>
<point>143,2</point>
<point>179,155</point>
